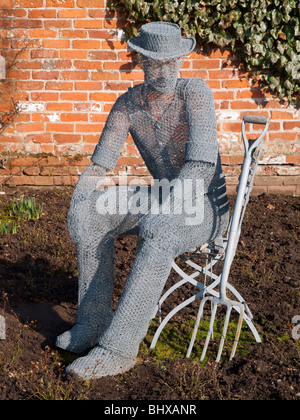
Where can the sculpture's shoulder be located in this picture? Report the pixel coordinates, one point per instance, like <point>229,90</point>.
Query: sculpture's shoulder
<point>196,86</point>
<point>128,98</point>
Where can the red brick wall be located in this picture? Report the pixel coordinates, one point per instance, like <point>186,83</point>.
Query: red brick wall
<point>67,63</point>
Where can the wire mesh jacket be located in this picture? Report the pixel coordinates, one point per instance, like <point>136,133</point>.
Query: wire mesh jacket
<point>177,138</point>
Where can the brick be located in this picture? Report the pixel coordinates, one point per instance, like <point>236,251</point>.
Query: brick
<point>115,45</point>
<point>67,138</point>
<point>59,106</point>
<point>88,86</point>
<point>282,190</point>
<point>6,3</point>
<point>221,74</point>
<point>17,74</point>
<point>91,3</point>
<point>21,180</point>
<point>45,75</point>
<point>101,96</point>
<point>70,33</point>
<point>31,171</point>
<point>73,54</point>
<point>133,75</point>
<point>39,138</point>
<point>220,53</point>
<point>42,33</point>
<point>202,74</point>
<point>44,53</point>
<point>29,4</point>
<point>28,23</point>
<point>60,128</point>
<point>56,43</point>
<point>293,159</point>
<point>60,3</point>
<point>54,170</point>
<point>59,86</point>
<point>72,13</point>
<point>30,85</point>
<point>291,180</point>
<point>30,127</point>
<point>89,24</point>
<point>74,96</point>
<point>89,128</point>
<point>42,13</point>
<point>223,94</point>
<point>57,23</point>
<point>67,117</point>
<point>86,44</point>
<point>88,65</point>
<point>43,180</point>
<point>268,181</point>
<point>206,64</point>
<point>103,34</point>
<point>291,125</point>
<point>286,136</point>
<point>235,84</point>
<point>74,75</point>
<point>42,96</point>
<point>244,94</point>
<point>243,105</point>
<point>232,127</point>
<point>106,75</point>
<point>282,115</point>
<point>102,55</point>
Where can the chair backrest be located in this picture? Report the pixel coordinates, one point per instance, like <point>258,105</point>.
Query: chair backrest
<point>253,149</point>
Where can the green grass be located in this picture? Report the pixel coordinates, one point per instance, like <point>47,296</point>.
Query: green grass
<point>17,212</point>
<point>175,338</point>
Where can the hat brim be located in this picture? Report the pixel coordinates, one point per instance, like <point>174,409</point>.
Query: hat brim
<point>186,46</point>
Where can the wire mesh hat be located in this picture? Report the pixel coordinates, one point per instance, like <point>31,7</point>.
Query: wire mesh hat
<point>162,41</point>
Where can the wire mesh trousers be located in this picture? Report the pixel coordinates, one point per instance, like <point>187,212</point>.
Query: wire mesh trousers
<point>163,238</point>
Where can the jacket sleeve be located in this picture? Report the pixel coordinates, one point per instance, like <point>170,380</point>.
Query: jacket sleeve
<point>202,144</point>
<point>114,135</point>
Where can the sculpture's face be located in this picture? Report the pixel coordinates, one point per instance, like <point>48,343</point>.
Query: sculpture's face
<point>162,75</point>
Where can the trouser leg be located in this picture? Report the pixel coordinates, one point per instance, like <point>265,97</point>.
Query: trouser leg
<point>138,302</point>
<point>93,233</point>
<point>119,344</point>
<point>95,288</point>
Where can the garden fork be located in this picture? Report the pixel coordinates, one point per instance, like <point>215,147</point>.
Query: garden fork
<point>253,150</point>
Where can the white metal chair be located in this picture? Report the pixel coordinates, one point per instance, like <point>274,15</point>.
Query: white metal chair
<point>211,287</point>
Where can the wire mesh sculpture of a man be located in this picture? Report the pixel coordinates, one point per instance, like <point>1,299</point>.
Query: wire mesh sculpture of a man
<point>173,124</point>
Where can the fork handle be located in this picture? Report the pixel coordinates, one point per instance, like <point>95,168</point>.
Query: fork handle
<point>255,119</point>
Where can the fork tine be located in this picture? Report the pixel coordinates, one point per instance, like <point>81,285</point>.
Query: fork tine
<point>210,331</point>
<point>238,332</point>
<point>225,328</point>
<point>199,316</point>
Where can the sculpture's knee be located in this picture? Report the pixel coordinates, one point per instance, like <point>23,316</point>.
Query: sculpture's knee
<point>85,224</point>
<point>159,237</point>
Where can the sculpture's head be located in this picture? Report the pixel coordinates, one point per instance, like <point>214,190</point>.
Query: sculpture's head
<point>162,47</point>
<point>161,75</point>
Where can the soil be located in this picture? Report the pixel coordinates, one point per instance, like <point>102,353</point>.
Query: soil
<point>38,291</point>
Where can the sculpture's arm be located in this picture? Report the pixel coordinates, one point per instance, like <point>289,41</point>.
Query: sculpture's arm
<point>107,152</point>
<point>202,145</point>
<point>115,133</point>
